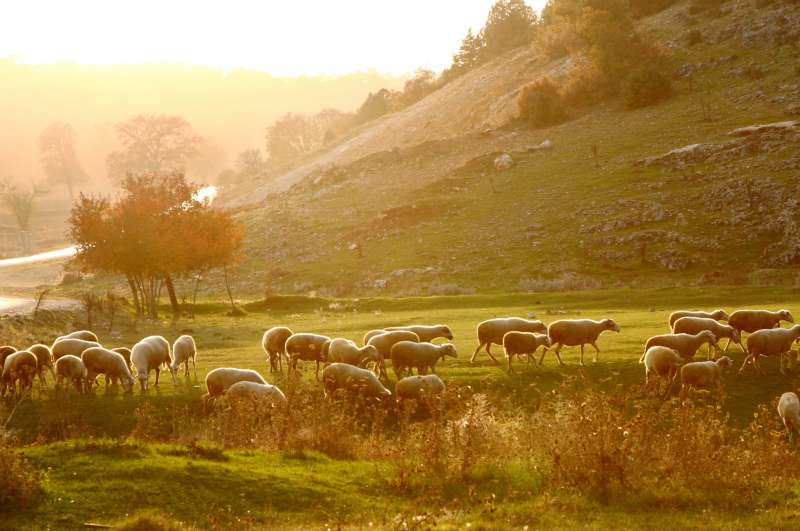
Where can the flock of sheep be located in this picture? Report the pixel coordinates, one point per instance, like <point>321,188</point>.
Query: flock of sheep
<point>78,358</point>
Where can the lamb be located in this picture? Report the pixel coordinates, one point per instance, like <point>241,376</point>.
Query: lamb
<point>420,388</point>
<point>220,380</point>
<point>99,360</point>
<point>695,325</point>
<point>408,354</point>
<point>518,343</point>
<point>686,345</point>
<point>789,410</point>
<point>426,333</point>
<point>343,350</point>
<point>183,351</point>
<point>256,392</point>
<point>74,347</point>
<point>125,352</point>
<point>5,351</point>
<point>372,333</point>
<point>71,369</point>
<point>493,330</point>
<point>21,367</point>
<point>664,362</point>
<point>703,374</point>
<point>150,354</point>
<point>352,379</point>
<point>274,344</point>
<point>572,333</point>
<point>307,347</point>
<point>770,342</point>
<point>45,360</point>
<point>85,335</point>
<point>717,315</point>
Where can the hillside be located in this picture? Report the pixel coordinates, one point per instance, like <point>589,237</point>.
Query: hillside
<point>412,204</point>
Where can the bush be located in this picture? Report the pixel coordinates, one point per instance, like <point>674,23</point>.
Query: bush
<point>585,86</point>
<point>558,39</point>
<point>540,104</point>
<point>646,86</point>
<point>20,483</point>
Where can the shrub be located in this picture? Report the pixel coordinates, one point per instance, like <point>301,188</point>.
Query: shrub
<point>20,483</point>
<point>646,86</point>
<point>584,86</point>
<point>558,39</point>
<point>540,104</point>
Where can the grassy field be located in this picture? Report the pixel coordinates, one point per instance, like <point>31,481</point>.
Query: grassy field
<point>110,456</point>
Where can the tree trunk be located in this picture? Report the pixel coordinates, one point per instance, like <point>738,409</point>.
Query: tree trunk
<point>228,288</point>
<point>173,297</point>
<point>135,293</point>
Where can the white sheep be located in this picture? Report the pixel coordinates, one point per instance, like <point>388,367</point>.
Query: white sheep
<point>695,325</point>
<point>686,345</point>
<point>342,376</point>
<point>74,347</point>
<point>99,360</point>
<point>523,343</point>
<point>422,388</point>
<point>789,410</point>
<point>220,380</point>
<point>307,347</point>
<point>426,333</point>
<point>754,320</point>
<point>422,356</point>
<point>703,374</point>
<point>664,362</point>
<point>85,335</point>
<point>256,392</point>
<point>343,350</point>
<point>183,350</point>
<point>45,360</point>
<point>274,344</point>
<point>150,354</point>
<point>770,342</point>
<point>384,343</point>
<point>717,315</point>
<point>372,333</point>
<point>21,366</point>
<point>578,332</point>
<point>492,331</point>
<point>71,369</point>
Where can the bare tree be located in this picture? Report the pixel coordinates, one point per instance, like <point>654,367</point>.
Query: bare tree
<point>58,157</point>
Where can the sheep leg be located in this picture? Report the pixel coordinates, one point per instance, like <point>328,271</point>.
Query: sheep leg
<point>581,363</point>
<point>489,352</point>
<point>557,352</point>
<point>746,359</point>
<point>596,351</point>
<point>509,357</point>
<point>541,358</point>
<point>317,373</point>
<point>474,354</point>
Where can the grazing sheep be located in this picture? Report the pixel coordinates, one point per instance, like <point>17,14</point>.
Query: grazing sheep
<point>686,345</point>
<point>754,320</point>
<point>45,360</point>
<point>307,347</point>
<point>74,347</point>
<point>85,335</point>
<point>21,367</point>
<point>578,332</point>
<point>220,380</point>
<point>183,351</point>
<point>664,362</point>
<point>125,352</point>
<point>150,354</point>
<point>384,343</point>
<point>717,315</point>
<point>99,360</point>
<point>695,325</point>
<point>703,374</point>
<point>420,388</point>
<point>789,410</point>
<point>493,330</point>
<point>274,344</point>
<point>71,369</point>
<point>770,342</point>
<point>352,379</point>
<point>426,333</point>
<point>343,350</point>
<point>5,351</point>
<point>256,392</point>
<point>519,343</point>
<point>372,333</point>
<point>408,354</point>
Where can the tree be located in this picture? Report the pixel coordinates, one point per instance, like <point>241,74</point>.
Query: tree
<point>419,86</point>
<point>293,135</point>
<point>153,145</point>
<point>58,157</point>
<point>510,24</point>
<point>20,204</point>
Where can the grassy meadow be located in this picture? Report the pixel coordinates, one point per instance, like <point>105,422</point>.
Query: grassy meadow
<point>110,457</point>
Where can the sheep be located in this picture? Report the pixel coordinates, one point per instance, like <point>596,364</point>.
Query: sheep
<point>703,374</point>
<point>99,360</point>
<point>420,388</point>
<point>695,325</point>
<point>518,343</point>
<point>754,320</point>
<point>72,369</point>
<point>45,360</point>
<point>408,354</point>
<point>493,330</point>
<point>21,367</point>
<point>372,333</point>
<point>717,315</point>
<point>150,354</point>
<point>664,362</point>
<point>307,347</point>
<point>770,342</point>
<point>789,410</point>
<point>578,332</point>
<point>75,347</point>
<point>686,345</point>
<point>220,380</point>
<point>125,352</point>
<point>426,333</point>
<point>274,344</point>
<point>5,351</point>
<point>353,379</point>
<point>343,350</point>
<point>183,350</point>
<point>384,343</point>
<point>256,392</point>
<point>85,335</point>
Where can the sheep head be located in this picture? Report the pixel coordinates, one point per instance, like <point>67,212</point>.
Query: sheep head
<point>446,332</point>
<point>708,337</point>
<point>609,324</point>
<point>370,353</point>
<point>786,315</point>
<point>724,362</point>
<point>720,315</point>
<point>448,349</point>
<point>547,341</point>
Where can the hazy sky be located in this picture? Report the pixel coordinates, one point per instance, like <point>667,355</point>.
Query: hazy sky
<point>286,37</point>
